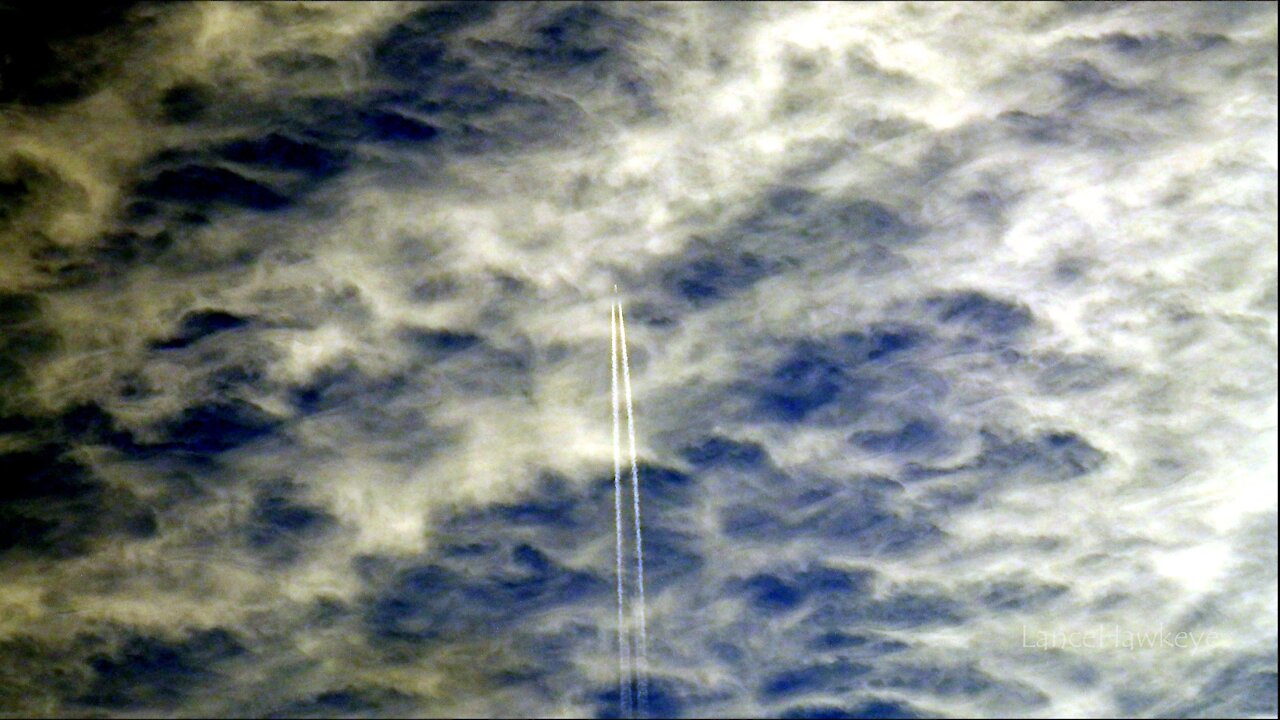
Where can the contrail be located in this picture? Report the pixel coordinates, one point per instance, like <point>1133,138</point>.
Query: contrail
<point>624,646</point>
<point>642,649</point>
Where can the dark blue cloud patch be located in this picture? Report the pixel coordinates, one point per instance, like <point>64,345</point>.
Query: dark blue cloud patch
<point>199,325</point>
<point>771,594</point>
<point>553,506</point>
<point>371,407</point>
<point>314,139</point>
<point>806,217</point>
<point>956,680</point>
<point>718,451</point>
<point>276,151</point>
<point>712,277</point>
<point>905,608</point>
<point>234,378</point>
<point>668,698</point>
<point>748,521</point>
<point>440,341</point>
<point>558,518</point>
<point>912,437</point>
<point>347,702</point>
<point>263,173</point>
<point>794,227</point>
<point>470,363</point>
<point>414,51</point>
<point>1158,45</point>
<point>835,676</point>
<point>671,554</point>
<point>281,527</point>
<point>838,380</point>
<point>855,643</point>
<point>438,602</point>
<point>1086,85</point>
<point>664,488</point>
<point>556,514</point>
<point>333,703</point>
<point>521,122</point>
<point>672,547</point>
<point>1006,458</point>
<point>443,94</point>
<point>503,567</point>
<point>1008,595</point>
<point>185,102</point>
<point>863,515</point>
<point>131,247</point>
<point>977,312</point>
<point>804,382</point>
<point>389,126</point>
<point>465,98</point>
<point>867,709</point>
<point>912,609</point>
<point>776,236</point>
<point>881,343</point>
<point>203,185</point>
<point>547,658</point>
<point>444,83</point>
<point>341,125</point>
<point>661,312</point>
<point>1245,686</point>
<point>775,593</point>
<point>1037,128</point>
<point>434,602</point>
<point>186,187</point>
<point>1051,456</point>
<point>402,611</point>
<point>150,673</point>
<point>215,427</point>
<point>332,388</point>
<point>789,202</point>
<point>539,582</point>
<point>90,424</point>
<point>577,35</point>
<point>870,222</point>
<point>581,49</point>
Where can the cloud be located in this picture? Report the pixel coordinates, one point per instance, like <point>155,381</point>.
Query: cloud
<point>947,322</point>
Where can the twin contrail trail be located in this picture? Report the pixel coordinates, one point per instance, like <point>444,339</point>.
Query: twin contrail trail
<point>642,649</point>
<point>640,669</point>
<point>624,648</point>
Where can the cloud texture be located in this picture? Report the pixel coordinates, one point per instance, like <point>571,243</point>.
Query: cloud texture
<point>952,326</point>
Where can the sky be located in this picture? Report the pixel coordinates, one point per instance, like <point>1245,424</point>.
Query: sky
<point>952,331</point>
